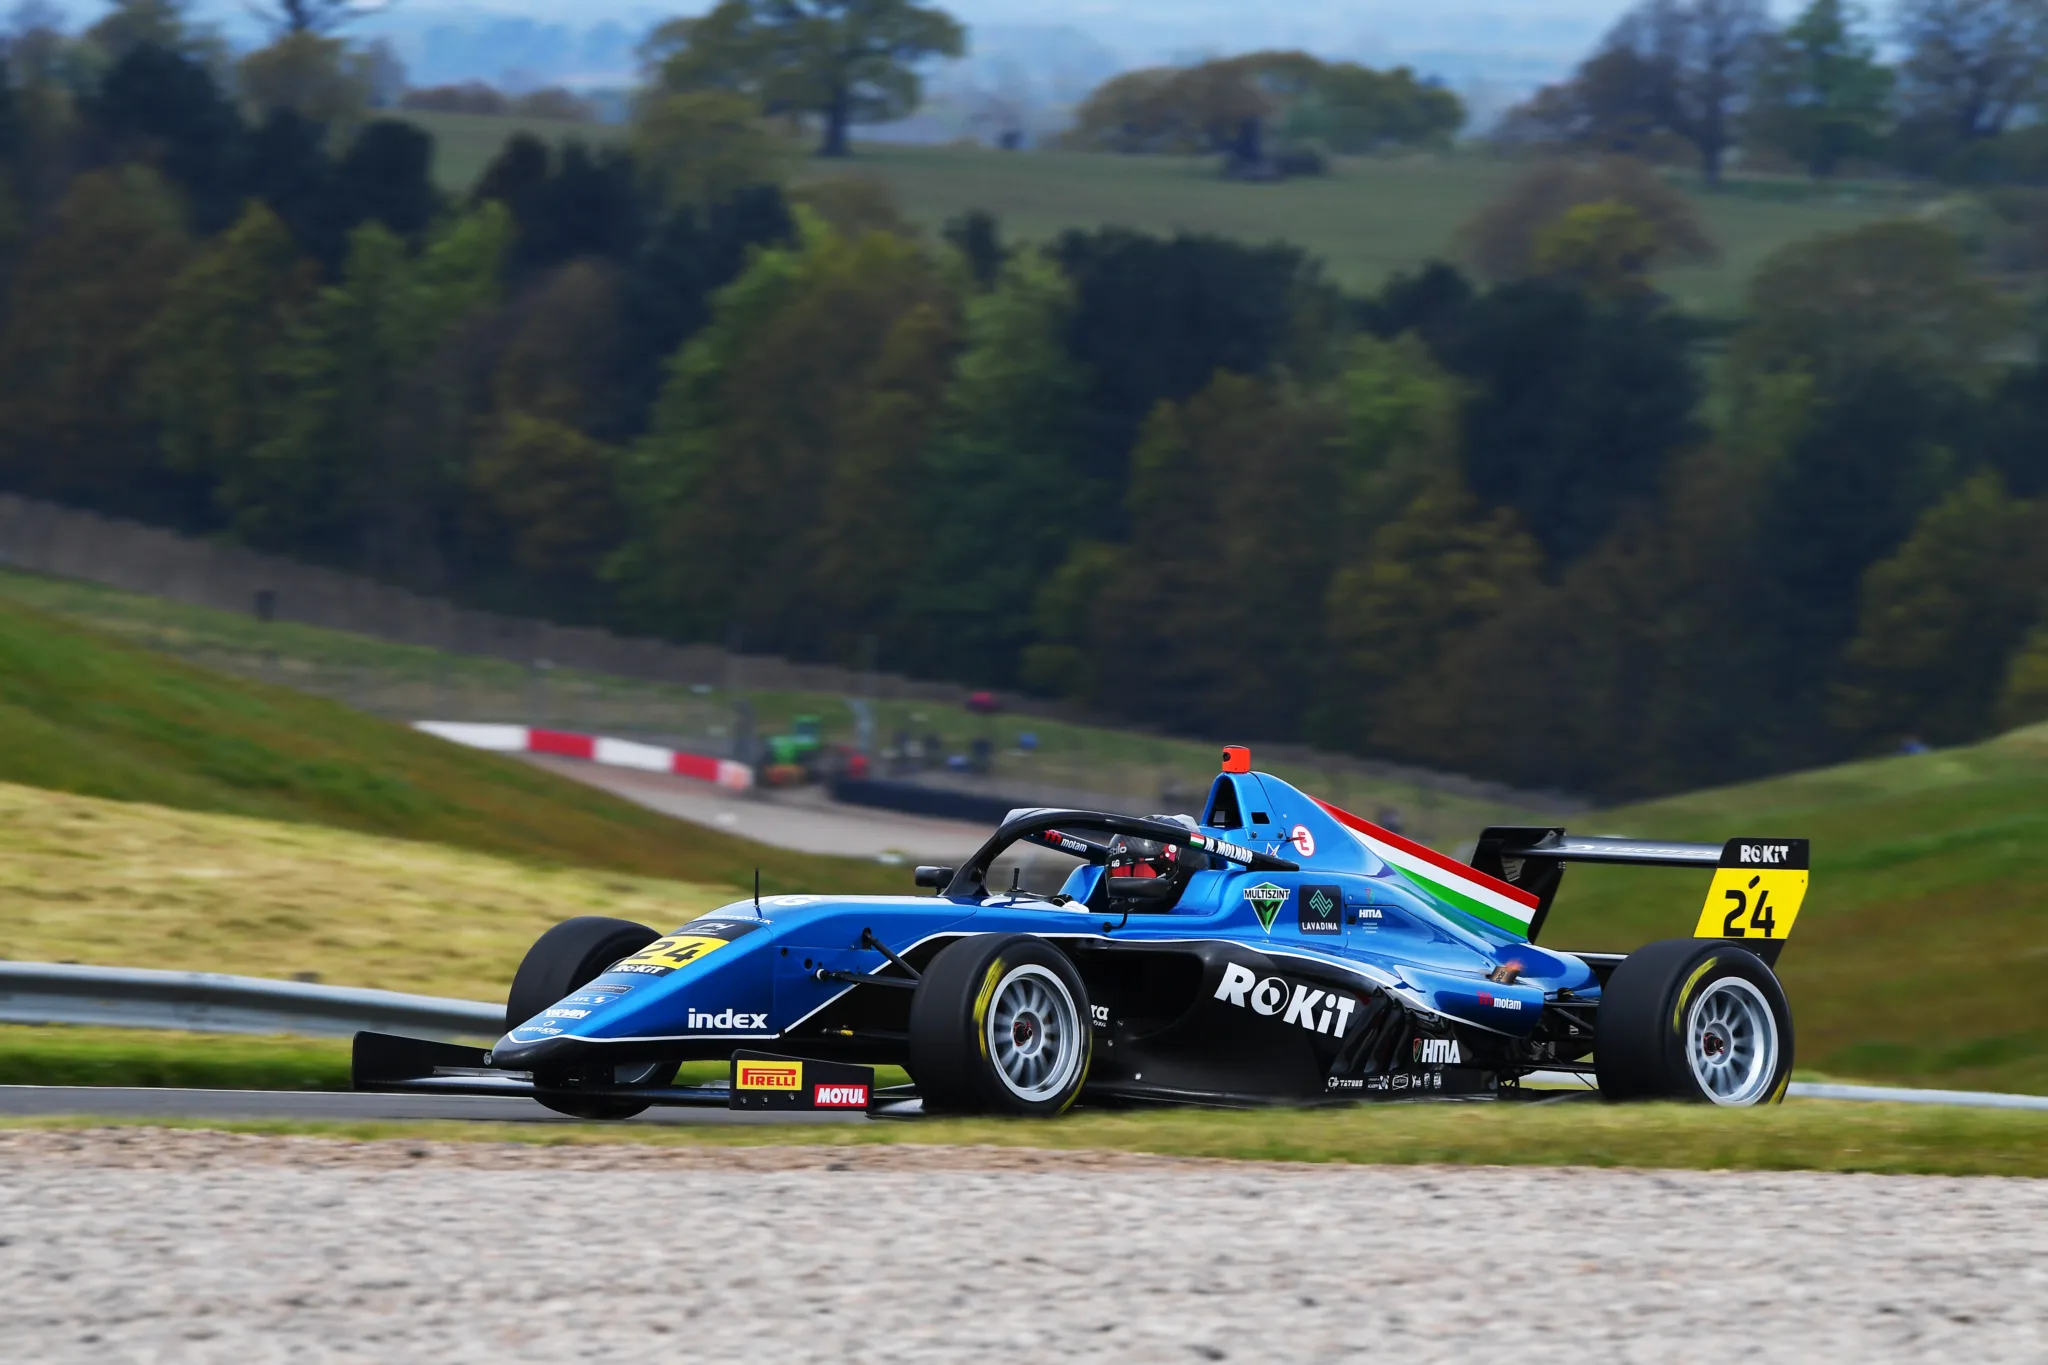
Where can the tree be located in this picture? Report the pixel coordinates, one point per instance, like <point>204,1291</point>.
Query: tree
<point>1606,249</point>
<point>1156,318</point>
<point>315,16</point>
<point>699,147</point>
<point>1228,104</point>
<point>71,347</point>
<point>775,492</point>
<point>1821,96</point>
<point>205,380</point>
<point>1898,296</point>
<point>1703,55</point>
<point>1971,66</point>
<point>841,61</point>
<point>1576,405</point>
<point>158,107</point>
<point>1942,617</point>
<point>1608,106</point>
<point>1208,619</point>
<point>316,76</point>
<point>1438,570</point>
<point>1501,240</point>
<point>555,490</point>
<point>337,476</point>
<point>1003,463</point>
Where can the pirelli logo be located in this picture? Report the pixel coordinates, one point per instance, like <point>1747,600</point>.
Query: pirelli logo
<point>770,1076</point>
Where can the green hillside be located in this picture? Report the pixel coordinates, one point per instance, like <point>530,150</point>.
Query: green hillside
<point>81,712</point>
<point>1921,950</point>
<point>408,682</point>
<point>1368,219</point>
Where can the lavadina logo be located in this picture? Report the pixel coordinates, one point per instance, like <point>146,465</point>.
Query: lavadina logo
<point>839,1096</point>
<point>771,1076</point>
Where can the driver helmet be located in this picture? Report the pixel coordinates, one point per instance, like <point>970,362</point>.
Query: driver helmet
<point>1129,857</point>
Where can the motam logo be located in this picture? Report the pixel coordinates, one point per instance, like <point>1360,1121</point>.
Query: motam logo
<point>1305,1006</point>
<point>771,1076</point>
<point>727,1019</point>
<point>1437,1052</point>
<point>839,1096</point>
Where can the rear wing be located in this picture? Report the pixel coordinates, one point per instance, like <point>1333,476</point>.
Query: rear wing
<point>1758,885</point>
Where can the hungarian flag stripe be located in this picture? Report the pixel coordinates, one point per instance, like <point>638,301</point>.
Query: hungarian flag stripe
<point>1487,898</point>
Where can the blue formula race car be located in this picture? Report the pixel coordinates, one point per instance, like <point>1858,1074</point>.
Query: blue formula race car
<point>1274,950</point>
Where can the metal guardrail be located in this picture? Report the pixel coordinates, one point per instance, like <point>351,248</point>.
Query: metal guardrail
<point>209,1002</point>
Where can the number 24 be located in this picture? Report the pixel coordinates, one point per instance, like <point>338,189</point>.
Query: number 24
<point>1760,918</point>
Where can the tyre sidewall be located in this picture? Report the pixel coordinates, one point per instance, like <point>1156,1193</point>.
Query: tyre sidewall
<point>572,954</point>
<point>949,1054</point>
<point>1719,962</point>
<point>1640,1032</point>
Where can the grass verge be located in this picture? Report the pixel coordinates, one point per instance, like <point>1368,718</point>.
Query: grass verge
<point>63,1055</point>
<point>1799,1136</point>
<point>123,884</point>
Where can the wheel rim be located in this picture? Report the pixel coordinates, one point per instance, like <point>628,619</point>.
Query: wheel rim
<point>1034,1033</point>
<point>1731,1042</point>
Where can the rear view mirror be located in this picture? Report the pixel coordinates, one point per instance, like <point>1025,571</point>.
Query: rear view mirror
<point>937,878</point>
<point>1143,888</point>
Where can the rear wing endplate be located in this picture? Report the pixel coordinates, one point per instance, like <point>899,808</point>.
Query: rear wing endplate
<point>1748,873</point>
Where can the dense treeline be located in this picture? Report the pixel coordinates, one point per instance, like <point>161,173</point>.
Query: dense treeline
<point>1550,531</point>
<point>1963,98</point>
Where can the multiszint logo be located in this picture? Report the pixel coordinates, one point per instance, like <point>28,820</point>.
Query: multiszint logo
<point>1266,899</point>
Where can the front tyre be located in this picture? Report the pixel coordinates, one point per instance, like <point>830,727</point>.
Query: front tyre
<point>999,1025</point>
<point>567,957</point>
<point>1693,1019</point>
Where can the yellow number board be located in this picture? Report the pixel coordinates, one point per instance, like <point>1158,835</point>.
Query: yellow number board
<point>664,955</point>
<point>1745,904</point>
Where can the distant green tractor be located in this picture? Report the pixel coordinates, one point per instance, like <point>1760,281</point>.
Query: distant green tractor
<point>793,757</point>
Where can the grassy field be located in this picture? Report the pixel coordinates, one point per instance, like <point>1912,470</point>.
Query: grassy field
<point>1367,220</point>
<point>404,682</point>
<point>81,712</point>
<point>465,143</point>
<point>1920,953</point>
<point>1801,1135</point>
<point>1370,218</point>
<point>125,884</point>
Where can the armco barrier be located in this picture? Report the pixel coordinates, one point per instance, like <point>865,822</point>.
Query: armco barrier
<point>207,1002</point>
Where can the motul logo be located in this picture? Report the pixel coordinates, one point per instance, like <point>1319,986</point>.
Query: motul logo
<point>839,1096</point>
<point>771,1076</point>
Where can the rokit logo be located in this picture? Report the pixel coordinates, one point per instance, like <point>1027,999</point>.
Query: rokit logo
<point>1304,1006</point>
<point>839,1096</point>
<point>1437,1052</point>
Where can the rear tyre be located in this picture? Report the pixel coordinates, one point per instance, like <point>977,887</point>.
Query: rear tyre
<point>1693,1019</point>
<point>573,954</point>
<point>999,1025</point>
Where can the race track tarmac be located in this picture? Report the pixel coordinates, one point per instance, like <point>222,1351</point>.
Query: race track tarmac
<point>139,1244</point>
<point>342,1106</point>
